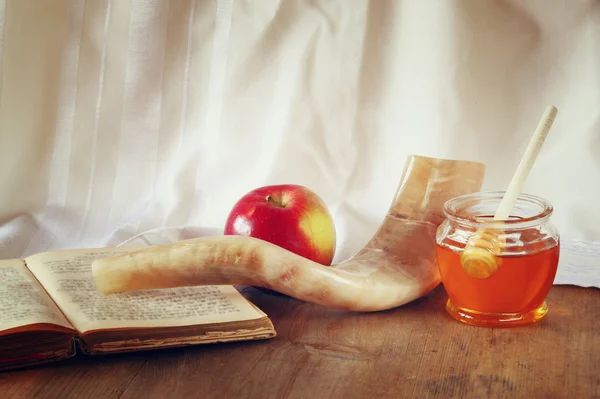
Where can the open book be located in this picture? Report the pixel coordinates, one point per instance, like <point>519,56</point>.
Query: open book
<point>50,309</point>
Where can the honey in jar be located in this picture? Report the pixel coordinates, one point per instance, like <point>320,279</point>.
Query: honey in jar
<point>511,286</point>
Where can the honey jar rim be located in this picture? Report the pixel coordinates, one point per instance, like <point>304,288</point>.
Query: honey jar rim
<point>455,210</point>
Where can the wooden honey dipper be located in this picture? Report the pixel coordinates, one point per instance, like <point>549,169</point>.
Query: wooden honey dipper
<point>479,257</point>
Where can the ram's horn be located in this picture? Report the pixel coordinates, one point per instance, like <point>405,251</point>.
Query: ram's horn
<point>398,264</point>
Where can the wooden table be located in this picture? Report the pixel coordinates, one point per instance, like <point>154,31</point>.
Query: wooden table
<point>413,351</point>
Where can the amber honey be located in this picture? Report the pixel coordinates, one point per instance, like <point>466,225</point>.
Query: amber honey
<point>516,293</point>
<point>527,261</point>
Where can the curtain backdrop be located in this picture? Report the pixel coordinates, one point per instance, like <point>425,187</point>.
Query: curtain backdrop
<point>122,116</point>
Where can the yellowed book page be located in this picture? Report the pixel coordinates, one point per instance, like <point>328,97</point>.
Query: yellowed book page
<point>22,299</point>
<point>67,276</point>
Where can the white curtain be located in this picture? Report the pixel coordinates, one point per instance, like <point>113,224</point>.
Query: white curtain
<point>122,116</point>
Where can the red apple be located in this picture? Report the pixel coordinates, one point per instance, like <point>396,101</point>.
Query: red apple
<point>289,216</point>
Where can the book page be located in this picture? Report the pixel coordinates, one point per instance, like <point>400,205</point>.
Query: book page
<point>22,299</point>
<point>67,276</point>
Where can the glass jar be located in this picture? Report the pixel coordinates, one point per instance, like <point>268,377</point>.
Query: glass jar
<point>497,273</point>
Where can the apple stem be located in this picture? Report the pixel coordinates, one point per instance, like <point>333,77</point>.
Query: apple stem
<point>269,198</point>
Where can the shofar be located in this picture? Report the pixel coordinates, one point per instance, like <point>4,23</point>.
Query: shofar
<point>398,265</point>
